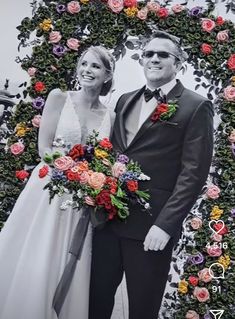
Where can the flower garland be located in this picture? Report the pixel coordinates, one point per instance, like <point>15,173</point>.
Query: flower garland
<point>63,30</point>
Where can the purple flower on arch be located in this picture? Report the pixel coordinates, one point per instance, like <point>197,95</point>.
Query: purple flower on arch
<point>233,212</point>
<point>60,8</point>
<point>38,103</point>
<point>195,11</point>
<point>196,259</point>
<point>59,50</point>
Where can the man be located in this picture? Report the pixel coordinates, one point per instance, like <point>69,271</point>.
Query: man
<point>176,154</point>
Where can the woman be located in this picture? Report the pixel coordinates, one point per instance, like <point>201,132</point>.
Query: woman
<point>35,241</point>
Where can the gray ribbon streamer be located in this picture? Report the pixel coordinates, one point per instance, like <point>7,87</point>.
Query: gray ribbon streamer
<point>75,254</point>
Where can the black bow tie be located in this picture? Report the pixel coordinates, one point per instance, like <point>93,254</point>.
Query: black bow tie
<point>148,94</point>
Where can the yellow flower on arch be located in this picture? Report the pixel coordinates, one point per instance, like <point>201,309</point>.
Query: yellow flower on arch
<point>21,129</point>
<point>224,261</point>
<point>46,25</point>
<point>183,286</point>
<point>216,212</point>
<point>131,12</point>
<point>84,1</point>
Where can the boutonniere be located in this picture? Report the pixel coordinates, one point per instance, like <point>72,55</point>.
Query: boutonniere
<point>164,111</point>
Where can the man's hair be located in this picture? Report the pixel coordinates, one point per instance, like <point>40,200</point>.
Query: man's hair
<point>177,42</point>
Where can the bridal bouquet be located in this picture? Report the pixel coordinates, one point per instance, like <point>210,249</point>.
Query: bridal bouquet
<point>97,177</point>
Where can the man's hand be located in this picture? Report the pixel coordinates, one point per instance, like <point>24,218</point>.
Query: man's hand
<point>156,239</point>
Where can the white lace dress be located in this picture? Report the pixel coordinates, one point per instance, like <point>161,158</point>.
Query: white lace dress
<point>35,240</point>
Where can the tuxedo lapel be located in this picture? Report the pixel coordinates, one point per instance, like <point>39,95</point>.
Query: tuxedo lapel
<point>173,94</point>
<point>130,102</point>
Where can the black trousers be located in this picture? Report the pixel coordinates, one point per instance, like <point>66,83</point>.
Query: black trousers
<point>146,275</point>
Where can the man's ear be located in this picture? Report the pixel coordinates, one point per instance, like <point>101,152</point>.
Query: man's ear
<point>178,65</point>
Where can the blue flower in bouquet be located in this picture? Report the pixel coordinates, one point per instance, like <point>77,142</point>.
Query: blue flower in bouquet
<point>128,176</point>
<point>122,158</point>
<point>57,175</point>
<point>88,152</point>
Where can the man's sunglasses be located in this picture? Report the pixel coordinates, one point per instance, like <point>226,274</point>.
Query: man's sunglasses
<point>161,54</point>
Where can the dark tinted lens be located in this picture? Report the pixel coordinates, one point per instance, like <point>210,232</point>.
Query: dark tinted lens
<point>163,54</point>
<point>148,54</point>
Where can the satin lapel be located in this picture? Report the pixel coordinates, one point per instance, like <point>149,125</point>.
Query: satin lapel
<point>130,102</point>
<point>173,94</point>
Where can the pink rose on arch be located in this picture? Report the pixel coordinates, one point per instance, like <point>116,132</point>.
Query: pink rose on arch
<point>143,13</point>
<point>36,120</point>
<point>214,251</point>
<point>73,7</point>
<point>231,137</point>
<point>73,44</point>
<point>130,3</point>
<point>229,93</point>
<point>118,169</point>
<point>191,314</point>
<point>222,36</point>
<point>55,37</point>
<point>153,6</point>
<point>63,163</point>
<point>208,25</point>
<point>177,8</point>
<point>17,148</point>
<point>97,180</point>
<point>116,5</point>
<point>205,275</point>
<point>196,223</point>
<point>32,71</point>
<point>217,237</point>
<point>202,294</point>
<point>213,192</point>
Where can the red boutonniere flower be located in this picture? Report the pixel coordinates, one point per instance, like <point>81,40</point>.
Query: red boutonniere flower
<point>164,111</point>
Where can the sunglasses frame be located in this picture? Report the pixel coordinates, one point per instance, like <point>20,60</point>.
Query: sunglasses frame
<point>152,53</point>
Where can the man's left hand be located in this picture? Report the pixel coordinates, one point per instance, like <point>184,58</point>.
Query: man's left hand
<point>156,239</point>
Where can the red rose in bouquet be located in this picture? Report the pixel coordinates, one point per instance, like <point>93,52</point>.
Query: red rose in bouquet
<point>132,186</point>
<point>43,171</point>
<point>76,152</point>
<point>105,143</point>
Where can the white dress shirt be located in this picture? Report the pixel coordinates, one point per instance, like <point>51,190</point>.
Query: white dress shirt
<point>148,107</point>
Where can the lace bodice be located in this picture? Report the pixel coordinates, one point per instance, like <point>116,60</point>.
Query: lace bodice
<point>69,129</point>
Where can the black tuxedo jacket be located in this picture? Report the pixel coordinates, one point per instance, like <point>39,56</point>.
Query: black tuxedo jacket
<point>176,154</point>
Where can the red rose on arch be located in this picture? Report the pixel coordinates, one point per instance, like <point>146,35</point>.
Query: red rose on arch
<point>105,143</point>
<point>22,174</point>
<point>231,62</point>
<point>130,3</point>
<point>206,48</point>
<point>76,152</point>
<point>219,20</point>
<point>193,280</point>
<point>39,86</point>
<point>220,228</point>
<point>132,186</point>
<point>162,13</point>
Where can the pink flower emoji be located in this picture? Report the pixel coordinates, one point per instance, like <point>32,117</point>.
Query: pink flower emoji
<point>196,223</point>
<point>97,180</point>
<point>213,192</point>
<point>205,275</point>
<point>32,71</point>
<point>143,13</point>
<point>177,8</point>
<point>231,137</point>
<point>55,37</point>
<point>229,93</point>
<point>222,36</point>
<point>118,169</point>
<point>36,120</point>
<point>73,44</point>
<point>116,5</point>
<point>17,148</point>
<point>191,314</point>
<point>202,294</point>
<point>214,251</point>
<point>73,7</point>
<point>63,163</point>
<point>208,25</point>
<point>153,6</point>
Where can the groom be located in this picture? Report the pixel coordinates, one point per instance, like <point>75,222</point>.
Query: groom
<point>176,154</point>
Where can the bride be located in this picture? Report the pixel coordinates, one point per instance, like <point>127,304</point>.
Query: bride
<point>36,238</point>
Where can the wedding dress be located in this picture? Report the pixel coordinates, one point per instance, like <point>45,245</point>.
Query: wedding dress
<point>35,240</point>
